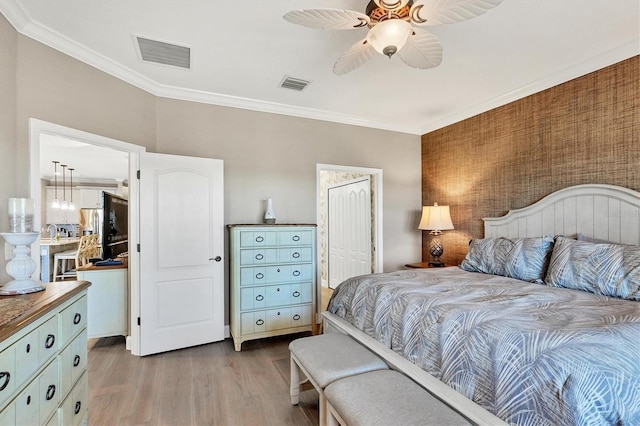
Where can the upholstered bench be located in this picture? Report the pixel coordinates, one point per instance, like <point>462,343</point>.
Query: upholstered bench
<point>325,358</point>
<point>385,397</point>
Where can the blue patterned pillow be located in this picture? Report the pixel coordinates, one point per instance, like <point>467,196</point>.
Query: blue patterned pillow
<point>608,269</point>
<point>521,258</point>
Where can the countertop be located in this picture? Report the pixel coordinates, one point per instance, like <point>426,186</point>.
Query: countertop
<point>92,267</point>
<point>60,242</point>
<point>31,306</point>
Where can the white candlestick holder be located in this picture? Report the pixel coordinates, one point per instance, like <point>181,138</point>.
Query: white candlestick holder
<point>21,266</point>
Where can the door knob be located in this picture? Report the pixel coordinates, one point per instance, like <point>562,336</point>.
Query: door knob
<point>217,258</point>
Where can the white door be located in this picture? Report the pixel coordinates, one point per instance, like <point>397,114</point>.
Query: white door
<point>181,249</point>
<point>349,224</point>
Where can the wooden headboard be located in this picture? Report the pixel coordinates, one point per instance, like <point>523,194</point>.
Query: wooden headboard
<point>605,212</point>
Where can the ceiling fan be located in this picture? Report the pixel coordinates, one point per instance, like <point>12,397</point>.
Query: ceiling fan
<point>391,28</point>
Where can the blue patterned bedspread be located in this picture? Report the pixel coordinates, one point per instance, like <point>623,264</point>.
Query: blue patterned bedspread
<point>529,353</point>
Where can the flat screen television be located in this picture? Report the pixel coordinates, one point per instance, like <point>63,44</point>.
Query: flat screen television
<point>115,225</point>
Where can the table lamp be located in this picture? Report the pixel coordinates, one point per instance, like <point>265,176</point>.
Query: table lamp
<point>435,219</point>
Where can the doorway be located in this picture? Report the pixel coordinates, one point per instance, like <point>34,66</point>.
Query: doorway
<point>37,129</point>
<point>328,175</point>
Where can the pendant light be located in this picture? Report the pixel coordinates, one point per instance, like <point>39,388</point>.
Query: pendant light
<point>71,205</point>
<point>64,205</point>
<point>56,203</point>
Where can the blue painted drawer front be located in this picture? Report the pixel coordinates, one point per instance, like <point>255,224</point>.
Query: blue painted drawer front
<point>265,256</point>
<point>277,295</point>
<point>275,274</point>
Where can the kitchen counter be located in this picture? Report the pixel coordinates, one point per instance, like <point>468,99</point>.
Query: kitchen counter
<point>48,248</point>
<point>60,242</point>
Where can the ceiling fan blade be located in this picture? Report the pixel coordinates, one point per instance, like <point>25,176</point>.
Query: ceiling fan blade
<point>422,50</point>
<point>436,12</point>
<point>328,19</point>
<point>357,55</point>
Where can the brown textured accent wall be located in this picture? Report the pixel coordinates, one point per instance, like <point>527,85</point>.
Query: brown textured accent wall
<point>586,130</point>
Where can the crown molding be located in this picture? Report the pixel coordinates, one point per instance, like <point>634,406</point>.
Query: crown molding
<point>21,21</point>
<point>613,56</point>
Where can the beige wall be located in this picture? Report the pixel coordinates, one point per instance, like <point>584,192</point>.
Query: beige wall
<point>264,154</point>
<point>586,130</point>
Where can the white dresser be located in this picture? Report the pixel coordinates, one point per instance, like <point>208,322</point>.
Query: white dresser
<point>273,280</point>
<point>43,358</point>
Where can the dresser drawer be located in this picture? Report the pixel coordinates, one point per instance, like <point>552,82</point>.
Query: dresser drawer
<point>73,362</point>
<point>72,320</point>
<point>276,274</point>
<point>7,373</point>
<point>39,399</point>
<point>258,238</point>
<point>48,339</point>
<point>278,295</point>
<point>74,408</point>
<point>295,237</point>
<point>261,256</point>
<point>276,319</point>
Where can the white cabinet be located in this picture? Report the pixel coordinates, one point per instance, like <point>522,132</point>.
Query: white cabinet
<point>273,280</point>
<point>84,198</point>
<point>41,365</point>
<point>107,301</point>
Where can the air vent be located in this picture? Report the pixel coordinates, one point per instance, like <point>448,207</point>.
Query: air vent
<point>294,83</point>
<point>159,52</point>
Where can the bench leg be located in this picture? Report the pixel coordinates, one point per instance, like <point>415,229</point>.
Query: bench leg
<point>322,408</point>
<point>331,418</point>
<point>294,382</point>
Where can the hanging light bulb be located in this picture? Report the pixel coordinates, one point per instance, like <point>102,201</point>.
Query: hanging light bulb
<point>71,205</point>
<point>64,205</point>
<point>55,203</point>
<point>389,36</point>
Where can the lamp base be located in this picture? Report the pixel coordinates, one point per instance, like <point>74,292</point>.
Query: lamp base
<point>436,264</point>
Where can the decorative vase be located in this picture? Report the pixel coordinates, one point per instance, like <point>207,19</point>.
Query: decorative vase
<point>269,215</point>
<point>21,266</point>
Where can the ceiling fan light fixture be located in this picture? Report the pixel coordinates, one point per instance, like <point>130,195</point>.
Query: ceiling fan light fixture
<point>389,36</point>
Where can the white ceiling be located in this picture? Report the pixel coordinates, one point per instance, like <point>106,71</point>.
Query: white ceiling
<point>241,51</point>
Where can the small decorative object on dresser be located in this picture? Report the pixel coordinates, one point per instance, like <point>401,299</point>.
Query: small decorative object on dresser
<point>270,215</point>
<point>273,280</point>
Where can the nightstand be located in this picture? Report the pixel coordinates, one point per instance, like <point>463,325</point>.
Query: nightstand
<point>421,265</point>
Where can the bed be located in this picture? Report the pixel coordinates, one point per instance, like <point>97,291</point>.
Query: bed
<point>540,324</point>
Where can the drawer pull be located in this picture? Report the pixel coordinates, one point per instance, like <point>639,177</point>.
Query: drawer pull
<point>76,318</point>
<point>296,317</point>
<point>51,392</point>
<point>259,275</point>
<point>259,256</point>
<point>296,293</point>
<point>28,399</point>
<point>278,269</point>
<point>278,313</point>
<point>28,347</point>
<point>51,339</point>
<point>78,406</point>
<point>259,239</point>
<point>296,238</point>
<point>259,298</point>
<point>295,255</point>
<point>6,376</point>
<point>278,289</point>
<point>296,273</point>
<point>260,322</point>
<point>76,360</point>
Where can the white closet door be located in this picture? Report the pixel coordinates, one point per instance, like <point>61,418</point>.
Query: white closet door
<point>349,224</point>
<point>182,244</point>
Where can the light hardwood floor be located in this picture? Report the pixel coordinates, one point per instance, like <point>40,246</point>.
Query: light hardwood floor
<point>204,385</point>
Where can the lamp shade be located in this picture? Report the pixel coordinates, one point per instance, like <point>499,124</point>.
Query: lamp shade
<point>435,218</point>
<point>389,36</point>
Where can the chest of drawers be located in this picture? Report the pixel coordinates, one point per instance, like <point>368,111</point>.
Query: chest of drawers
<point>273,280</point>
<point>43,359</point>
